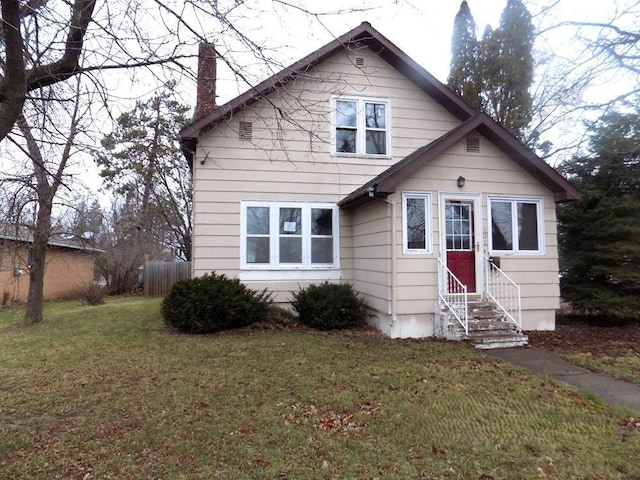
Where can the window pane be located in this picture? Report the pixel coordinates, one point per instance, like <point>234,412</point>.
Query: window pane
<point>290,250</point>
<point>376,142</point>
<point>321,221</point>
<point>290,221</point>
<point>528,226</point>
<point>501,226</point>
<point>346,113</point>
<point>258,220</point>
<point>258,250</point>
<point>375,115</point>
<point>322,250</point>
<point>416,219</point>
<point>345,140</point>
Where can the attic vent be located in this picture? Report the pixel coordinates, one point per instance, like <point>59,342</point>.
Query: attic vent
<point>473,144</point>
<point>245,130</point>
<point>359,62</point>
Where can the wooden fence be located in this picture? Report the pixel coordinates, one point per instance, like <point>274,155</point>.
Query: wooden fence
<point>159,276</point>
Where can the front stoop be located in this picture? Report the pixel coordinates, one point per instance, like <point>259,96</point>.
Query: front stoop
<point>489,328</point>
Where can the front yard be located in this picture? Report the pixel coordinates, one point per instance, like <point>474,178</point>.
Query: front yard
<point>610,349</point>
<point>104,392</point>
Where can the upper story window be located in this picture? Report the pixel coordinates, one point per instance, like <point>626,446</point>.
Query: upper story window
<point>289,235</point>
<point>361,126</point>
<point>516,226</point>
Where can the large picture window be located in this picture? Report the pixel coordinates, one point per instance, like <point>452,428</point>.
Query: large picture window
<point>289,235</point>
<point>416,222</point>
<point>516,225</point>
<point>361,126</point>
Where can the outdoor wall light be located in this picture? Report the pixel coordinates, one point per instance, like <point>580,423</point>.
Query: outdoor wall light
<point>461,181</point>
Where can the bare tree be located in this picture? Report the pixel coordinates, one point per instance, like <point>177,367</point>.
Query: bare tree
<point>44,42</point>
<point>48,131</point>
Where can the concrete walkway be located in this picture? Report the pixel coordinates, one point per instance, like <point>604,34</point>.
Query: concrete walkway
<point>608,389</point>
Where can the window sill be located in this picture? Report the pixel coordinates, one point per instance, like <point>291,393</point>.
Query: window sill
<point>515,254</point>
<point>361,155</point>
<point>262,275</point>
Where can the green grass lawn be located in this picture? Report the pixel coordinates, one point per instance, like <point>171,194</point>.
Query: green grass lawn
<point>625,367</point>
<point>104,392</point>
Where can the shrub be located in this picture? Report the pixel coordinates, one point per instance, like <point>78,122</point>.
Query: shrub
<point>94,294</point>
<point>213,302</point>
<point>330,306</point>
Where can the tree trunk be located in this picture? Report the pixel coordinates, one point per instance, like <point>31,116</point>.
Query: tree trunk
<point>37,262</point>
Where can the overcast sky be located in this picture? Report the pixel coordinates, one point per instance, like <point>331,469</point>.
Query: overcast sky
<point>422,29</point>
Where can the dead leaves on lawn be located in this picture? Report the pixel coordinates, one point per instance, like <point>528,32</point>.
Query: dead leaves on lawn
<point>328,420</point>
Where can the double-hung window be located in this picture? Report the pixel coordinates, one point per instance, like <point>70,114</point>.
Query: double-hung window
<point>289,235</point>
<point>416,222</point>
<point>516,225</point>
<point>361,126</point>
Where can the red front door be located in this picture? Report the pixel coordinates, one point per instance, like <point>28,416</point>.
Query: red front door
<point>460,242</point>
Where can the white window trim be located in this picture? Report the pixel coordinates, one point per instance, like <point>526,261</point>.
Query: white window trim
<point>274,223</point>
<point>428,224</point>
<point>360,126</point>
<point>539,201</point>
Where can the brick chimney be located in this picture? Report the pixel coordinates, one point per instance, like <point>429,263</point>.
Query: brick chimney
<point>206,88</point>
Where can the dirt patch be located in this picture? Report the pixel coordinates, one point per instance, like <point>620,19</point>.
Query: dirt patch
<point>580,336</point>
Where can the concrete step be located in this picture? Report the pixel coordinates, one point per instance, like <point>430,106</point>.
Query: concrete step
<point>492,333</point>
<point>499,341</point>
<point>491,324</point>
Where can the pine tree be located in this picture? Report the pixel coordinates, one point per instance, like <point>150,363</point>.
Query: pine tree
<point>463,75</point>
<point>141,160</point>
<point>599,236</point>
<point>507,83</point>
<point>495,74</point>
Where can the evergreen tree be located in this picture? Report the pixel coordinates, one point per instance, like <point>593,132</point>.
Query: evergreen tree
<point>496,73</point>
<point>141,160</point>
<point>600,234</point>
<point>463,75</point>
<point>506,84</point>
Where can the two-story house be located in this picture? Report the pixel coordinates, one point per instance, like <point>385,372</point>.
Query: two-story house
<point>356,165</point>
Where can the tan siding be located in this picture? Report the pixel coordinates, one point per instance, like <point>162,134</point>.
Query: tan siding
<point>285,162</point>
<point>371,265</point>
<point>489,173</point>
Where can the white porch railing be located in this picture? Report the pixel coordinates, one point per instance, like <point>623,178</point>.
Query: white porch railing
<point>504,292</point>
<point>453,295</point>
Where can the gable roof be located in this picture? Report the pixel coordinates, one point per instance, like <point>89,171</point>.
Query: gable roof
<point>386,182</point>
<point>362,35</point>
<point>383,184</point>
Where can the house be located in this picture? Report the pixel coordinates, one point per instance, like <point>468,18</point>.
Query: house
<point>356,165</point>
<point>69,266</point>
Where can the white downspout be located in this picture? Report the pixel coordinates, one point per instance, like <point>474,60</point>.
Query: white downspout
<point>394,274</point>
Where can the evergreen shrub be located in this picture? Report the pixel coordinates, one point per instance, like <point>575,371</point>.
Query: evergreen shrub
<point>330,306</point>
<point>213,302</point>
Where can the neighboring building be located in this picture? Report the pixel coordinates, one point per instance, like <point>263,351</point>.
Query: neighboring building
<point>356,165</point>
<point>69,267</point>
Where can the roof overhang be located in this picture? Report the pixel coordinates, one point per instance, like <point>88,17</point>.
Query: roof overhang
<point>386,182</point>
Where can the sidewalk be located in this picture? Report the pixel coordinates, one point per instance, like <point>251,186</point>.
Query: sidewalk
<point>608,389</point>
